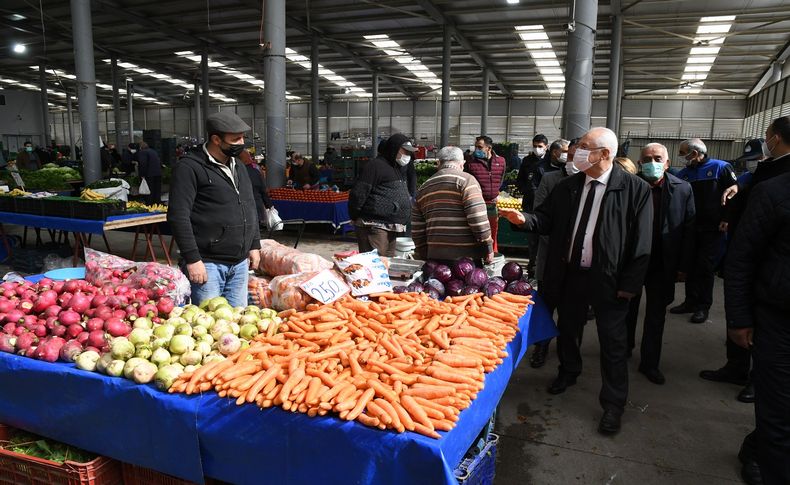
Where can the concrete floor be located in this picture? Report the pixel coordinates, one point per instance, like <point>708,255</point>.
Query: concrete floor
<point>685,432</point>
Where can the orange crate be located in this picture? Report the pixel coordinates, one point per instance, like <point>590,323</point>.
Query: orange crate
<point>137,475</point>
<point>17,468</point>
<point>5,432</point>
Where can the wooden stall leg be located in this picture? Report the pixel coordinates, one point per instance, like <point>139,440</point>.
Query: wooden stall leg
<point>164,246</point>
<point>150,242</point>
<point>5,241</point>
<point>134,245</point>
<point>106,242</point>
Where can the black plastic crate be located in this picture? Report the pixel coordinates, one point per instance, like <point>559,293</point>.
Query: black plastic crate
<point>7,203</point>
<point>29,205</point>
<point>98,210</point>
<point>59,207</point>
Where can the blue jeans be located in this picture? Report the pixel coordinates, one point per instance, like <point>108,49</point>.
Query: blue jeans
<point>225,280</point>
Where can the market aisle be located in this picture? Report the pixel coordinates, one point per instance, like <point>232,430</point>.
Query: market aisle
<point>685,432</point>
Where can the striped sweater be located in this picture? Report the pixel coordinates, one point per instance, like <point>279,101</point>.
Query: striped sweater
<point>449,219</point>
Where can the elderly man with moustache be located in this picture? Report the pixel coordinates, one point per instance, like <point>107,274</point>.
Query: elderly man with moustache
<point>600,222</point>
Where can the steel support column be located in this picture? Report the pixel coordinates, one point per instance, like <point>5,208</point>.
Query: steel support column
<point>130,108</point>
<point>204,86</point>
<point>444,131</point>
<point>374,113</point>
<point>615,60</point>
<point>484,104</point>
<point>116,102</point>
<point>70,114</point>
<point>198,113</point>
<point>42,79</point>
<point>274,94</point>
<point>82,30</point>
<point>579,71</point>
<point>314,93</point>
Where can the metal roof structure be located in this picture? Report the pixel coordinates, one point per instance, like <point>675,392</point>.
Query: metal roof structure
<point>658,36</point>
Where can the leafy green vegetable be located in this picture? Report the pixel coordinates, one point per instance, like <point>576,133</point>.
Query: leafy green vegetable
<point>104,184</point>
<point>34,445</point>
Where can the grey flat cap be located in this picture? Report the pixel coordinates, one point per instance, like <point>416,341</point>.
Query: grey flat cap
<point>225,122</point>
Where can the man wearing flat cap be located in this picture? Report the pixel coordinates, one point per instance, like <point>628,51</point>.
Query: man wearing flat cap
<point>213,216</point>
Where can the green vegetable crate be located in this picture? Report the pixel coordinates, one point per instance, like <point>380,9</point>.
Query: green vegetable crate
<point>99,210</point>
<point>17,468</point>
<point>29,205</point>
<point>507,237</point>
<point>137,475</point>
<point>7,203</point>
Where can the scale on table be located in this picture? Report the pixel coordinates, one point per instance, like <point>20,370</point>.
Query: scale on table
<point>405,271</point>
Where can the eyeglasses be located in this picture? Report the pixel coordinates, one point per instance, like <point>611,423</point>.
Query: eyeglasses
<point>590,149</point>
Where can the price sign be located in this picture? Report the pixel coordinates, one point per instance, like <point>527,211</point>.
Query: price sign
<point>325,287</point>
<point>17,179</point>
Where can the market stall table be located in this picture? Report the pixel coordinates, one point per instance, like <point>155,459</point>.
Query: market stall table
<point>207,436</point>
<point>334,213</point>
<point>148,223</point>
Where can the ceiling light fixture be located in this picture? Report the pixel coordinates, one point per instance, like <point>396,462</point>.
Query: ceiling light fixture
<point>711,33</point>
<point>19,48</point>
<point>402,57</point>
<point>325,73</point>
<point>537,42</point>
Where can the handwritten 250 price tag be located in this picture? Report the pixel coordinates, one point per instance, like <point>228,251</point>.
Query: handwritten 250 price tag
<point>325,287</point>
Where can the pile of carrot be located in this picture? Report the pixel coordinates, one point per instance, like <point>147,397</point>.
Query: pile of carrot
<point>401,362</point>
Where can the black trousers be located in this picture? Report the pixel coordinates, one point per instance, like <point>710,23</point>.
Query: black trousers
<point>699,282</point>
<point>772,388</point>
<point>155,185</point>
<point>657,297</point>
<point>610,314</point>
<point>739,360</point>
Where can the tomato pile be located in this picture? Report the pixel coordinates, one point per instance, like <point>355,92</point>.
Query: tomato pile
<point>307,195</point>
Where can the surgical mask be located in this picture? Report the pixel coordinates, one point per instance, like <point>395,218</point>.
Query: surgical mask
<point>29,149</point>
<point>132,151</point>
<point>652,171</point>
<point>539,151</point>
<point>752,165</point>
<point>581,160</point>
<point>403,160</point>
<point>563,157</point>
<point>479,153</point>
<point>767,150</point>
<point>570,168</point>
<point>233,150</point>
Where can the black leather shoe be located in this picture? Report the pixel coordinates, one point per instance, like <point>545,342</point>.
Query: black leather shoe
<point>682,308</point>
<point>750,472</point>
<point>538,358</point>
<point>561,383</point>
<point>653,375</point>
<point>700,316</point>
<point>747,394</point>
<point>724,375</point>
<point>610,422</point>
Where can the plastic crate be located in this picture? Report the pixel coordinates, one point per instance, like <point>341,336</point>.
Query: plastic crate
<point>29,205</point>
<point>7,203</point>
<point>59,207</point>
<point>98,210</point>
<point>509,238</point>
<point>479,468</point>
<point>137,475</point>
<point>16,468</point>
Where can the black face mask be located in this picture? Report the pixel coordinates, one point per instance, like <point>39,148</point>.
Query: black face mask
<point>232,150</point>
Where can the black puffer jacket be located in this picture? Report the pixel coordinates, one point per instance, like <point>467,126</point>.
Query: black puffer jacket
<point>210,219</point>
<point>758,262</point>
<point>380,193</point>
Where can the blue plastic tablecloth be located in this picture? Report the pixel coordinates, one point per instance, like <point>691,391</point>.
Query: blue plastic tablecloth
<point>335,213</point>
<point>85,226</point>
<point>195,436</point>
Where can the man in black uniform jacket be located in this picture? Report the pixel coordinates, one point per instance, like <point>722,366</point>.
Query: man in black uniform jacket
<point>600,223</point>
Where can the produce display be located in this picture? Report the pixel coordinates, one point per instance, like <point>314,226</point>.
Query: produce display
<point>53,178</point>
<point>279,260</point>
<point>123,331</point>
<point>134,206</point>
<point>285,193</point>
<point>508,202</point>
<point>258,292</point>
<point>33,445</point>
<point>162,280</point>
<point>402,362</point>
<point>286,293</point>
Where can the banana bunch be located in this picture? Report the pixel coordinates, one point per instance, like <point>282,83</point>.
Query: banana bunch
<point>135,205</point>
<point>157,208</point>
<point>89,194</point>
<point>508,203</point>
<point>18,193</point>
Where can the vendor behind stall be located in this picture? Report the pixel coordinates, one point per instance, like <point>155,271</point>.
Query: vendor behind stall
<point>28,159</point>
<point>304,173</point>
<point>449,220</point>
<point>379,202</point>
<point>213,216</point>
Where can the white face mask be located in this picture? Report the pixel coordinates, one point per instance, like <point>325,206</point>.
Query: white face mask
<point>133,150</point>
<point>403,160</point>
<point>581,160</point>
<point>570,168</point>
<point>563,157</point>
<point>539,151</point>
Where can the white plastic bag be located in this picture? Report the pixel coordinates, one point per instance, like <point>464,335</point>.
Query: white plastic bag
<point>365,273</point>
<point>273,220</point>
<point>144,190</point>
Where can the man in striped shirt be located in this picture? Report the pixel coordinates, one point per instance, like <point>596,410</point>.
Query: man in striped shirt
<point>449,220</point>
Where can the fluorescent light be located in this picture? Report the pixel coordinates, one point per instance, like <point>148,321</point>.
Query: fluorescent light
<point>325,73</point>
<point>19,48</point>
<point>15,17</point>
<point>402,57</point>
<point>702,54</point>
<point>536,40</point>
<point>513,2</point>
<point>248,78</point>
